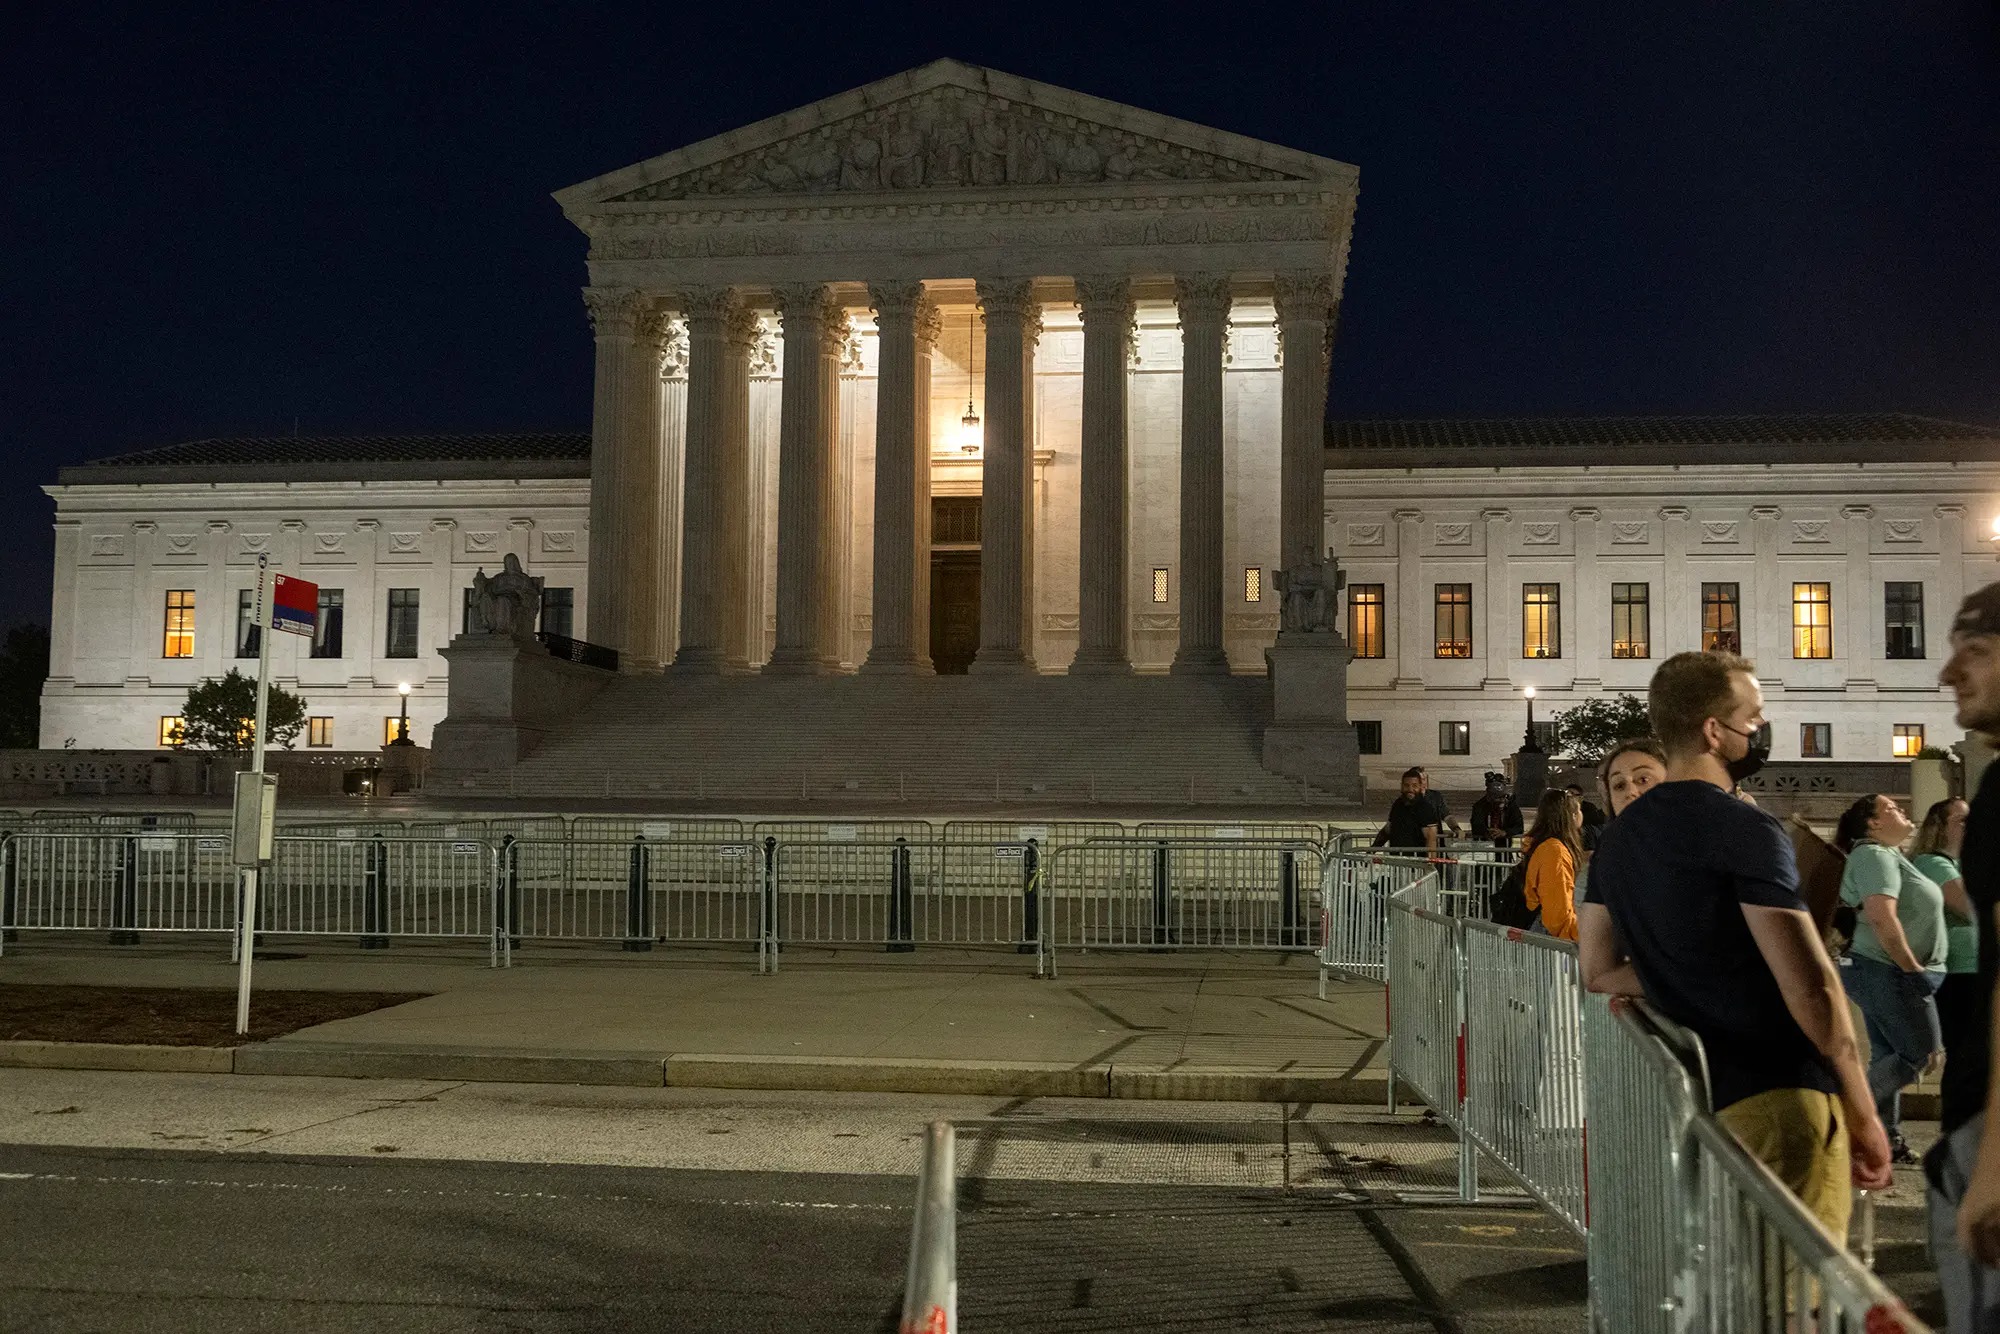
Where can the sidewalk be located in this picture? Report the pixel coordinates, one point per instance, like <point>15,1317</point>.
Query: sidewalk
<point>1242,1027</point>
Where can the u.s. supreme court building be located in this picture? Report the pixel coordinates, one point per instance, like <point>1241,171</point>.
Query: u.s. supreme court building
<point>960,373</point>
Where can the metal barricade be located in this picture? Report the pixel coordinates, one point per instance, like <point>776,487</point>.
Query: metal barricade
<point>1355,889</point>
<point>855,892</point>
<point>378,888</point>
<point>1426,1003</point>
<point>930,1285</point>
<point>1524,1061</point>
<point>120,883</point>
<point>1163,893</point>
<point>639,892</point>
<point>992,873</point>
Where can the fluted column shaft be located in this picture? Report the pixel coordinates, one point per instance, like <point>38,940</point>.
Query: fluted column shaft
<point>703,553</point>
<point>673,465</point>
<point>1007,478</point>
<point>1305,307</point>
<point>1204,310</point>
<point>641,494</point>
<point>805,477</point>
<point>902,458</point>
<point>1102,556</point>
<point>736,563</point>
<point>615,318</point>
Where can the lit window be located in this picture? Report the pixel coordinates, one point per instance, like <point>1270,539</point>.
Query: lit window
<point>1253,583</point>
<point>319,731</point>
<point>180,624</point>
<point>1454,738</point>
<point>1815,741</point>
<point>1454,620</point>
<point>1368,737</point>
<point>389,730</point>
<point>1159,583</point>
<point>1721,628</point>
<point>1364,620</point>
<point>1631,621</point>
<point>1812,620</point>
<point>1908,741</point>
<point>1903,620</point>
<point>173,731</point>
<point>1541,621</point>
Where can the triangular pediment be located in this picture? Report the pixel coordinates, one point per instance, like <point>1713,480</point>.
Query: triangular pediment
<point>950,127</point>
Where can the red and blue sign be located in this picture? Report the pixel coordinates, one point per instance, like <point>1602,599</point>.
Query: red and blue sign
<point>294,606</point>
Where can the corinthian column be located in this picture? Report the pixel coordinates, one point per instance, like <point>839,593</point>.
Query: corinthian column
<point>902,461</point>
<point>641,497</point>
<point>703,554</point>
<point>812,330</point>
<point>1007,479</point>
<point>736,563</point>
<point>1106,306</point>
<point>1305,328</point>
<point>615,315</point>
<point>1204,306</point>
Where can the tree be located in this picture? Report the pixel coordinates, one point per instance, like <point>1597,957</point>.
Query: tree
<point>24,666</point>
<point>220,714</point>
<point>1587,731</point>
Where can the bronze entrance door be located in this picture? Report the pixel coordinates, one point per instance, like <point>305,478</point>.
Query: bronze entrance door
<point>954,611</point>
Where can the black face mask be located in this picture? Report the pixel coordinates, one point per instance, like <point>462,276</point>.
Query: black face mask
<point>1754,754</point>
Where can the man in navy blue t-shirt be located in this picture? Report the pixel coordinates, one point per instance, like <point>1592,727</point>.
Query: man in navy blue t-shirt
<point>1693,902</point>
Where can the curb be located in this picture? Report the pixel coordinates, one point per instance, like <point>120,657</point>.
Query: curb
<point>816,1074</point>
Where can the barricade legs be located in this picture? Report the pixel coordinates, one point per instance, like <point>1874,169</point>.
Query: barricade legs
<point>902,902</point>
<point>638,898</point>
<point>1031,899</point>
<point>375,897</point>
<point>125,894</point>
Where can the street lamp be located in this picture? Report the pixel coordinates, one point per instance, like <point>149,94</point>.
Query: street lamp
<point>1528,743</point>
<point>403,718</point>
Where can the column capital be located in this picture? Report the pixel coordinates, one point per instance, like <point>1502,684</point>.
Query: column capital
<point>614,311</point>
<point>520,524</point>
<point>1202,297</point>
<point>895,300</point>
<point>709,308</point>
<point>672,342</point>
<point>1106,298</point>
<point>293,525</point>
<point>1584,513</point>
<point>365,525</point>
<point>1950,511</point>
<point>1407,516</point>
<point>1303,297</point>
<point>1673,513</point>
<point>803,306</point>
<point>1496,515</point>
<point>928,323</point>
<point>1856,511</point>
<point>1766,512</point>
<point>1011,299</point>
<point>219,525</point>
<point>741,328</point>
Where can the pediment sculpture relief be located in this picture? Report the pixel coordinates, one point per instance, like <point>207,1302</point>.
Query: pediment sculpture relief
<point>950,138</point>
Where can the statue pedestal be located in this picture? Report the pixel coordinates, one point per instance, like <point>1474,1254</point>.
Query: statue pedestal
<point>1310,737</point>
<point>505,695</point>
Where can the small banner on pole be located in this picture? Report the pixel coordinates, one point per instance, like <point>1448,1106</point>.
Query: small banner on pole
<point>295,606</point>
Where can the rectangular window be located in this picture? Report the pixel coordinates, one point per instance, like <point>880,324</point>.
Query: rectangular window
<point>1812,620</point>
<point>1903,620</point>
<point>1454,738</point>
<point>172,732</point>
<point>559,612</point>
<point>402,636</point>
<point>1908,741</point>
<point>319,731</point>
<point>1253,583</point>
<point>179,641</point>
<point>1721,630</point>
<point>1368,737</point>
<point>1631,621</point>
<point>1364,620</point>
<point>1159,583</point>
<point>1815,741</point>
<point>390,729</point>
<point>1541,621</point>
<point>327,634</point>
<point>246,623</point>
<point>1454,620</point>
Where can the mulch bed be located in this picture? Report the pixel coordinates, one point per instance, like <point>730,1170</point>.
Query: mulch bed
<point>173,1016</point>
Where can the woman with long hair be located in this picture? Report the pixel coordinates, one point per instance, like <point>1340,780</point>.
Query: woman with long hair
<point>1897,960</point>
<point>1935,853</point>
<point>1554,852</point>
<point>1634,765</point>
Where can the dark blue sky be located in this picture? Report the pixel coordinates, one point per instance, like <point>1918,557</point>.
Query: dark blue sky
<point>340,215</point>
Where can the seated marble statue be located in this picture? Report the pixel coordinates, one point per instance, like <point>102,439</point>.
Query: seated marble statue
<point>1308,589</point>
<point>507,603</point>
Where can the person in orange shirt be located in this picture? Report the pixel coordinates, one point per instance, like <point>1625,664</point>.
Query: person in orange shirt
<point>1555,851</point>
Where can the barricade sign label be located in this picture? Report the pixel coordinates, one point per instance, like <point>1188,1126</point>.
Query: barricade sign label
<point>154,843</point>
<point>657,828</point>
<point>841,833</point>
<point>211,845</point>
<point>1230,831</point>
<point>465,849</point>
<point>733,852</point>
<point>1038,832</point>
<point>1008,852</point>
<point>347,832</point>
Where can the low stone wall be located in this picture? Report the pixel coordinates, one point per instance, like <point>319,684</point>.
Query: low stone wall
<point>180,773</point>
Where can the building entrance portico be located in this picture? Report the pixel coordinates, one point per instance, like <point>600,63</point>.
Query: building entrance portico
<point>790,317</point>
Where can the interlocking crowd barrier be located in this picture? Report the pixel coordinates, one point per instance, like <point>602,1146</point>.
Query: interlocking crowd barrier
<point>1685,1231</point>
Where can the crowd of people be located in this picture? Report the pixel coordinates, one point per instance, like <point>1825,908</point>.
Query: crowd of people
<point>1688,895</point>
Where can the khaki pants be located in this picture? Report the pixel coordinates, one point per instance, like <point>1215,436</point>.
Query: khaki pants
<point>1801,1136</point>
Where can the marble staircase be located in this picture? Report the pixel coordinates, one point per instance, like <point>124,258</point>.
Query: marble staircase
<point>944,742</point>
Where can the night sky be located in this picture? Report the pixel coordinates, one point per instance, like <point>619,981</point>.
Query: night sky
<point>339,217</point>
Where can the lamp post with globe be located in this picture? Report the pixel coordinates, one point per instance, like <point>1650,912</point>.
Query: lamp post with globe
<point>1531,763</point>
<point>403,717</point>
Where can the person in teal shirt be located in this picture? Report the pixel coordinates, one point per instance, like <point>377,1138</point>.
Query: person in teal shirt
<point>1897,961</point>
<point>1935,853</point>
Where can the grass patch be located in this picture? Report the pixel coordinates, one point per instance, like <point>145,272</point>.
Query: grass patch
<point>173,1016</point>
